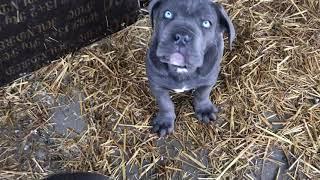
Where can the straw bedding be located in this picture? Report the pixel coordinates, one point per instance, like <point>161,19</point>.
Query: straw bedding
<point>268,93</point>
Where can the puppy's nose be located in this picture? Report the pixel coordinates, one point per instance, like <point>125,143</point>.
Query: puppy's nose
<point>182,38</point>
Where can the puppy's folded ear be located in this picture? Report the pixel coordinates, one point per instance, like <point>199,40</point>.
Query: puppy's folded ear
<point>225,22</point>
<point>152,8</point>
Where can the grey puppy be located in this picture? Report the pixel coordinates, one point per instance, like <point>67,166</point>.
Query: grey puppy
<point>185,54</point>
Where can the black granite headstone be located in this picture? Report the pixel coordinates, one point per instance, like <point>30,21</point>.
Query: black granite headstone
<point>35,32</point>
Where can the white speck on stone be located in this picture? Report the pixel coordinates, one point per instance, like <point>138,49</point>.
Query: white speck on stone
<point>16,131</point>
<point>26,147</point>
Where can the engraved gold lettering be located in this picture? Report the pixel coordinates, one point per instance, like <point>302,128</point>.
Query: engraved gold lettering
<point>7,42</point>
<point>6,56</point>
<point>10,71</point>
<point>85,20</point>
<point>31,44</point>
<point>11,41</point>
<point>6,8</point>
<point>43,27</point>
<point>2,45</point>
<point>42,7</point>
<point>26,64</point>
<point>24,35</point>
<point>33,11</point>
<point>50,5</point>
<point>56,50</point>
<point>10,54</point>
<point>61,31</point>
<point>22,16</point>
<point>85,36</point>
<point>80,10</point>
<point>90,34</point>
<point>113,4</point>
<point>28,2</point>
<point>81,18</point>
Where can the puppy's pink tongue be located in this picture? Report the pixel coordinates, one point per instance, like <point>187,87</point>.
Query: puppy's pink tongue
<point>177,59</point>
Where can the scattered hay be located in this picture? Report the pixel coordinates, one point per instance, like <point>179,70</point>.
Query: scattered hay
<point>268,90</point>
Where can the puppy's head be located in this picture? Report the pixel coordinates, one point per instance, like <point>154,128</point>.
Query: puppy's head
<point>185,29</point>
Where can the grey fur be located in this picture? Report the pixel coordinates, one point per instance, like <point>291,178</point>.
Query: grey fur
<point>198,53</point>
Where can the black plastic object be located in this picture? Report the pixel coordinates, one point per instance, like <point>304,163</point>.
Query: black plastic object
<point>35,32</point>
<point>77,176</point>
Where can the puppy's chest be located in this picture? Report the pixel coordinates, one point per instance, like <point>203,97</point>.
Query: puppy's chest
<point>183,89</point>
<point>184,86</point>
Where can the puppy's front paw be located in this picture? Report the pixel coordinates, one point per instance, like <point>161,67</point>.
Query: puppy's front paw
<point>206,112</point>
<point>163,124</point>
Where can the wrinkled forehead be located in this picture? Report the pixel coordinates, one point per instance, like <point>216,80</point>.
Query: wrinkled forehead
<point>199,8</point>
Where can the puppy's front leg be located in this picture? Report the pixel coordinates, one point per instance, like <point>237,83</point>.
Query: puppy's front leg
<point>163,123</point>
<point>205,110</point>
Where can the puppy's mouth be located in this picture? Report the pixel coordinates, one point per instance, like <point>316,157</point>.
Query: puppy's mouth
<point>176,61</point>
<point>182,70</point>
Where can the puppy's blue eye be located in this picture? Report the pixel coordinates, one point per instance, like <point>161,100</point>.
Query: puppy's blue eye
<point>168,15</point>
<point>206,24</point>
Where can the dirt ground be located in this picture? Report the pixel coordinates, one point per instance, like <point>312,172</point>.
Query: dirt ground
<point>91,110</point>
